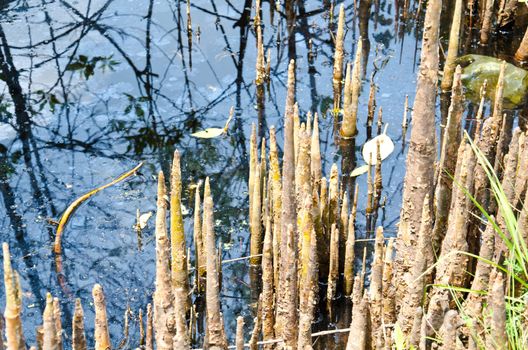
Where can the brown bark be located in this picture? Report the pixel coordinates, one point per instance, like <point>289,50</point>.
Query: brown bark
<point>199,256</point>
<point>521,178</point>
<point>438,306</point>
<point>380,120</point>
<point>474,302</point>
<point>149,338</point>
<point>260,70</point>
<point>333,193</point>
<point>288,214</point>
<point>257,325</point>
<point>343,229</point>
<point>296,130</point>
<point>57,314</point>
<point>452,50</point>
<point>507,10</point>
<point>315,153</point>
<point>424,258</point>
<point>268,298</point>
<point>101,334</point>
<point>303,180</point>
<point>288,311</point>
<point>163,298</point>
<point>499,94</point>
<point>414,335</point>
<point>350,110</point>
<point>255,226</point>
<point>388,314</point>
<point>141,324</point>
<point>2,332</point>
<point>422,149</point>
<point>452,266</point>
<point>13,305</point>
<point>487,144</point>
<point>78,335</point>
<point>333,273</point>
<point>276,194</point>
<point>179,270</point>
<point>376,281</point>
<point>448,332</point>
<point>337,76</point>
<point>240,333</point>
<point>522,52</point>
<point>487,21</point>
<point>215,328</point>
<point>308,275</point>
<point>253,165</point>
<point>448,160</point>
<point>378,184</point>
<point>357,291</point>
<point>451,270</point>
<point>508,186</point>
<point>371,107</point>
<point>359,336</point>
<point>50,332</point>
<point>405,118</point>
<point>349,247</point>
<point>497,338</point>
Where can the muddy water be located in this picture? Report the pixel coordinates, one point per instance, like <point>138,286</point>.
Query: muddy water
<point>96,87</point>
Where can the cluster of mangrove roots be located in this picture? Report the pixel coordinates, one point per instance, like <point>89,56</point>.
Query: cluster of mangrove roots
<point>440,283</point>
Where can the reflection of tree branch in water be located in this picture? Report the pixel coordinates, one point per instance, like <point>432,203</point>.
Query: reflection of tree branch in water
<point>18,226</point>
<point>311,68</point>
<point>214,13</point>
<point>23,121</point>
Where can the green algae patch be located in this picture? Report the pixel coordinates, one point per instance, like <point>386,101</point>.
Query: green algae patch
<point>478,68</point>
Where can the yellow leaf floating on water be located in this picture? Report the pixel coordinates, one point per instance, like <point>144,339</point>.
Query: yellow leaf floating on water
<point>211,133</point>
<point>370,147</point>
<point>360,170</point>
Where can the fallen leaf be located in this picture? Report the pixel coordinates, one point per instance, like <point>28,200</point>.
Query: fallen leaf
<point>360,170</point>
<point>208,133</point>
<point>211,133</point>
<point>370,147</point>
<point>143,220</point>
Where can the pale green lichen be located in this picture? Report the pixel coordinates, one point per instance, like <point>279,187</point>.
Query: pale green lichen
<point>478,68</point>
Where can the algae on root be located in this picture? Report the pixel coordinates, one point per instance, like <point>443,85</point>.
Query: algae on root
<point>478,68</point>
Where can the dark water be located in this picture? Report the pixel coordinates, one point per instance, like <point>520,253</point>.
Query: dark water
<point>91,88</point>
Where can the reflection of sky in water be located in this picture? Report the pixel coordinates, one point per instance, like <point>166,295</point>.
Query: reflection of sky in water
<point>90,140</point>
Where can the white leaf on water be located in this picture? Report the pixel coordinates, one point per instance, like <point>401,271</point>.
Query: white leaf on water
<point>143,220</point>
<point>209,133</point>
<point>370,147</point>
<point>360,170</point>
